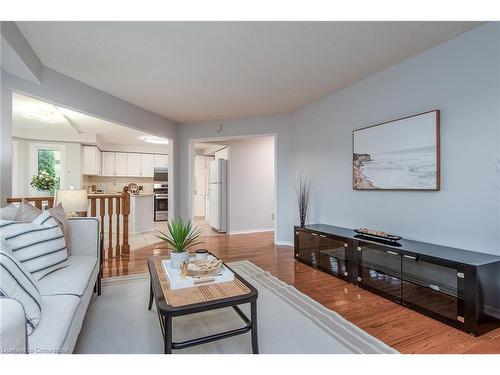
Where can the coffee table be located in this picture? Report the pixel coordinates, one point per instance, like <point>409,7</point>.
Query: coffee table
<point>171,303</point>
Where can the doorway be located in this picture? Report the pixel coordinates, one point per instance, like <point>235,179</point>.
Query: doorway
<point>248,201</point>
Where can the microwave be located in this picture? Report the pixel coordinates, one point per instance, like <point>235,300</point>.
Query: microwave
<point>160,174</point>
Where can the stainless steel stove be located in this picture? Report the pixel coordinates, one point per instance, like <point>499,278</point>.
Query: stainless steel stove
<point>160,192</point>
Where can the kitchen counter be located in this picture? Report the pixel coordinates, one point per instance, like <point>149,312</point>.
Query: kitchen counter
<point>143,195</point>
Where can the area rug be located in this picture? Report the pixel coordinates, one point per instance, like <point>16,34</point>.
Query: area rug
<point>289,322</point>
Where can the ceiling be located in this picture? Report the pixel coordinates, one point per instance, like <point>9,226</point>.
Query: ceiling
<point>67,124</point>
<point>196,71</point>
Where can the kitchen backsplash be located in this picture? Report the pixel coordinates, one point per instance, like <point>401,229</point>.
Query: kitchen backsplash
<point>116,184</point>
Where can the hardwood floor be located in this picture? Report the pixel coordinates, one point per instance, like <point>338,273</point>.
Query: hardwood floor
<point>405,330</point>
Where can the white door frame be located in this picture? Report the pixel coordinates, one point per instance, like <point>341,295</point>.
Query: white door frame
<point>33,161</point>
<point>215,139</point>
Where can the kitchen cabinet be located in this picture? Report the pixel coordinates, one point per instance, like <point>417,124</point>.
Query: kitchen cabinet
<point>91,161</point>
<point>161,161</point>
<point>147,165</point>
<point>129,164</point>
<point>108,164</point>
<point>121,164</point>
<point>133,165</point>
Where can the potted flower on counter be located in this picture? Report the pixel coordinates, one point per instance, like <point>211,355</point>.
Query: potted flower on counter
<point>181,236</point>
<point>44,183</point>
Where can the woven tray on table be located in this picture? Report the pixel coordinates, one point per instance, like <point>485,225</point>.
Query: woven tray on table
<point>197,294</point>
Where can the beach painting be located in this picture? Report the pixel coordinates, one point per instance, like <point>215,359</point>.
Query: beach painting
<point>398,155</point>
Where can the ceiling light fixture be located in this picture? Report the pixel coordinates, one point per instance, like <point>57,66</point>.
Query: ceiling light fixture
<point>44,115</point>
<point>154,139</point>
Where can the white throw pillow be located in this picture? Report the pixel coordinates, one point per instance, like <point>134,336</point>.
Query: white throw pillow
<point>16,282</point>
<point>39,245</point>
<point>9,212</point>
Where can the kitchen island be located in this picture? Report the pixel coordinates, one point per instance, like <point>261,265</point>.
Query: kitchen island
<point>141,213</point>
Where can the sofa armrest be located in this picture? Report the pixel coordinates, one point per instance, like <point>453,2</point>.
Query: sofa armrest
<point>13,335</point>
<point>84,236</point>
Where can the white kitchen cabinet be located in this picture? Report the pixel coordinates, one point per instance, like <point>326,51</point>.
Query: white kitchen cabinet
<point>121,163</point>
<point>91,161</point>
<point>133,165</point>
<point>161,161</point>
<point>147,165</point>
<point>108,164</point>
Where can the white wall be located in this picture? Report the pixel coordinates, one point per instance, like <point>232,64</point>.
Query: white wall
<point>461,78</point>
<point>251,193</point>
<point>265,125</point>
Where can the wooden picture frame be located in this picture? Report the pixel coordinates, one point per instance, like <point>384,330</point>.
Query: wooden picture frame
<point>399,155</point>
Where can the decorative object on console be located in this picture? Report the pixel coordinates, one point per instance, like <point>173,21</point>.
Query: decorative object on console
<point>44,183</point>
<point>181,235</point>
<point>73,201</point>
<point>377,234</point>
<point>402,154</point>
<point>304,188</point>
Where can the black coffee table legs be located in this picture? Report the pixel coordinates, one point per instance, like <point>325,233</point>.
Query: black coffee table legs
<point>251,325</point>
<point>253,316</point>
<point>151,295</point>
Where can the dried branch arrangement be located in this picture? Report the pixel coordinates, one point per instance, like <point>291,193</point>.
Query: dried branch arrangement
<point>304,188</point>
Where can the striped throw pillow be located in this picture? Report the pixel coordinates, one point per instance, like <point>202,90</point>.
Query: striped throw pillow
<point>16,282</point>
<point>39,245</point>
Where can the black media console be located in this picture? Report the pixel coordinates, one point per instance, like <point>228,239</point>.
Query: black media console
<point>447,284</point>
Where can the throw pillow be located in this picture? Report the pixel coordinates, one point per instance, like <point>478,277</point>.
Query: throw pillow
<point>9,212</point>
<point>59,214</point>
<point>16,282</point>
<point>28,212</point>
<point>39,245</point>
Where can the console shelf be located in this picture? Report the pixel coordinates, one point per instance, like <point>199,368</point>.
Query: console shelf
<point>455,286</point>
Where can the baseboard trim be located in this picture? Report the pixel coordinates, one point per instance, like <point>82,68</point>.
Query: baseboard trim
<point>492,311</point>
<point>245,231</point>
<point>284,243</point>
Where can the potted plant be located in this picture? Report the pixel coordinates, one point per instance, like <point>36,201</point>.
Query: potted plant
<point>181,235</point>
<point>304,187</point>
<point>45,183</point>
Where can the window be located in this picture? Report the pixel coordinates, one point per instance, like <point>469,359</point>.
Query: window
<point>48,158</point>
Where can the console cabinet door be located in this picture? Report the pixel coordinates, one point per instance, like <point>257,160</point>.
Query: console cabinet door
<point>434,285</point>
<point>307,247</point>
<point>379,269</point>
<point>333,256</point>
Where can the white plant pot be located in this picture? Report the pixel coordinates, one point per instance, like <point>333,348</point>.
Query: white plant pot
<point>176,259</point>
<point>42,193</point>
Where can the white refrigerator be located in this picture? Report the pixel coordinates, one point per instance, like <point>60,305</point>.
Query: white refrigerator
<point>218,195</point>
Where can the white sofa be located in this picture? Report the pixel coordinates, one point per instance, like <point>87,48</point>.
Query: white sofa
<point>65,294</point>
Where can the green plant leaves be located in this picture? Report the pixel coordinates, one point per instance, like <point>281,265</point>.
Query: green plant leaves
<point>181,235</point>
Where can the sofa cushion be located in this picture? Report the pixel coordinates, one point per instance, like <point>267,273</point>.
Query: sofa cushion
<point>72,279</point>
<point>54,325</point>
<point>16,282</point>
<point>39,245</point>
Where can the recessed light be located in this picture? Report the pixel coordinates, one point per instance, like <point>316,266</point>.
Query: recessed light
<point>154,139</point>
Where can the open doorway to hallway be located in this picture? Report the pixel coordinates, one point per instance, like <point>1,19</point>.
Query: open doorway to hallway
<point>233,185</point>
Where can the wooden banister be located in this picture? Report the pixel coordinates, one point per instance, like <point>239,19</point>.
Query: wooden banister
<point>35,201</point>
<point>122,211</point>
